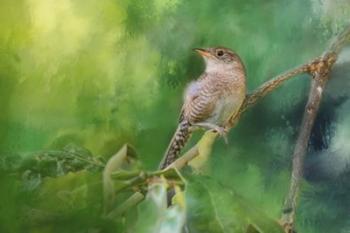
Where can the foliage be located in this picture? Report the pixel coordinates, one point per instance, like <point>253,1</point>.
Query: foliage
<point>79,194</point>
<point>79,79</point>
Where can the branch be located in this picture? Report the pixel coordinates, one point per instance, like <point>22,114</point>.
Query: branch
<point>185,159</point>
<point>132,201</point>
<point>320,71</point>
<point>339,42</point>
<point>271,85</point>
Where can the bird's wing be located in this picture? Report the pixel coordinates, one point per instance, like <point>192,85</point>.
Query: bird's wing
<point>200,101</point>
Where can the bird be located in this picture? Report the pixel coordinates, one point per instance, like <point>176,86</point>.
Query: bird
<point>210,101</point>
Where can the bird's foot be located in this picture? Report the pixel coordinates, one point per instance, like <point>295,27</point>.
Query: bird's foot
<point>222,131</point>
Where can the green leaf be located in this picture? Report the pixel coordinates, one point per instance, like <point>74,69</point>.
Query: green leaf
<point>55,163</point>
<point>204,147</point>
<point>215,208</point>
<point>121,160</point>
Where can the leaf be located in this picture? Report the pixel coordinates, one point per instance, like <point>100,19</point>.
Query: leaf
<point>154,216</point>
<point>215,208</point>
<point>54,163</point>
<point>118,161</point>
<point>204,147</point>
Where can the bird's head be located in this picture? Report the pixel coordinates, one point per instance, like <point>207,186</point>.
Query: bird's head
<point>220,58</point>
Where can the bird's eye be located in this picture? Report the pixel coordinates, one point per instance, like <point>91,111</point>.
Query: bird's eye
<point>220,53</point>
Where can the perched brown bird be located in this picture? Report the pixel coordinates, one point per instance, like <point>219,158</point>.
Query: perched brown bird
<point>210,101</point>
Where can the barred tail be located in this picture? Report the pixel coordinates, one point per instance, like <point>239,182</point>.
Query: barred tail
<point>181,136</point>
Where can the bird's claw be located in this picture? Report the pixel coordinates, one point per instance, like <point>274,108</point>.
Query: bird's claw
<point>222,133</point>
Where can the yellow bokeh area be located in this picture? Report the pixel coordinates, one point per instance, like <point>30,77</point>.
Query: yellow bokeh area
<point>76,63</point>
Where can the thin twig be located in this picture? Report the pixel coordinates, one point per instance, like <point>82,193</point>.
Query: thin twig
<point>185,159</point>
<point>266,88</point>
<point>132,201</point>
<point>271,85</point>
<point>339,42</point>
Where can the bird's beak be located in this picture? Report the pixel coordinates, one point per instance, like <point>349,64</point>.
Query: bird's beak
<point>203,52</point>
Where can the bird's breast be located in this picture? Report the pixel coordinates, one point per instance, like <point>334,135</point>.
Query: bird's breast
<point>233,92</point>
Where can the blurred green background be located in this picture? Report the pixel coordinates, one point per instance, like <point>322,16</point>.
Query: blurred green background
<point>103,73</point>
